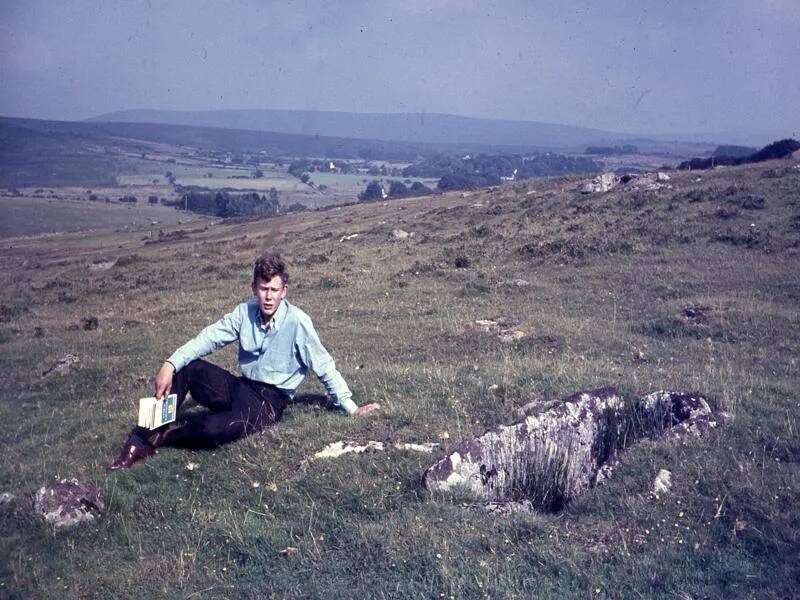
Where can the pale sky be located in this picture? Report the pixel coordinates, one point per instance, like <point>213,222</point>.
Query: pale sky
<point>638,66</point>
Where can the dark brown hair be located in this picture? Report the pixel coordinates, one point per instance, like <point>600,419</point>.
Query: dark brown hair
<point>268,265</point>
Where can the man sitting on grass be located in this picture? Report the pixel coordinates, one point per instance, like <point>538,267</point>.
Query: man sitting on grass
<point>277,347</point>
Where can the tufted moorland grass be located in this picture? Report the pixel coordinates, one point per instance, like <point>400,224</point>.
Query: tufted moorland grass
<point>609,278</point>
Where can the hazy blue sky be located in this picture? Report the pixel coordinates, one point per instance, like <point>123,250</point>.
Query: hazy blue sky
<point>638,65</point>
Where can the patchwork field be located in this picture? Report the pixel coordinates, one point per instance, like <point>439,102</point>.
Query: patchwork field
<point>603,288</point>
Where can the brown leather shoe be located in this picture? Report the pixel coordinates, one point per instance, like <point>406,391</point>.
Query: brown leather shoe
<point>132,454</point>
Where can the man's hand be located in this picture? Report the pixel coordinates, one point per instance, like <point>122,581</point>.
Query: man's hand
<point>366,409</point>
<point>163,382</point>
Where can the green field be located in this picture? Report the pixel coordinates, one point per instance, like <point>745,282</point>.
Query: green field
<point>354,184</point>
<point>31,216</point>
<point>609,279</point>
<point>339,188</point>
<point>135,171</point>
<point>265,184</point>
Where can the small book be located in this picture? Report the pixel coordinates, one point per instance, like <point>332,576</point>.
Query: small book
<point>154,413</point>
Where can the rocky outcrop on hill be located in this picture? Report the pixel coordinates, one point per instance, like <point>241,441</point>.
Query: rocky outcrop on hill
<point>550,457</point>
<point>601,183</point>
<point>608,181</point>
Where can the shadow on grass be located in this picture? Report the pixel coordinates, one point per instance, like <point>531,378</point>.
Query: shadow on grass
<point>312,400</point>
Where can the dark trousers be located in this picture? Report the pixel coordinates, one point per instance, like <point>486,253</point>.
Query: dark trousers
<point>238,407</point>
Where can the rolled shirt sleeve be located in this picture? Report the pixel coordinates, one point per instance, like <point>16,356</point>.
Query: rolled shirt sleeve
<point>314,355</point>
<point>212,338</point>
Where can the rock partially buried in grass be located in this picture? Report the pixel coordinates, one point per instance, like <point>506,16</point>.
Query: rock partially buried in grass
<point>550,457</point>
<point>337,449</point>
<point>103,265</point>
<point>511,335</point>
<point>662,483</point>
<point>63,366</point>
<point>601,183</point>
<point>68,503</point>
<point>399,234</point>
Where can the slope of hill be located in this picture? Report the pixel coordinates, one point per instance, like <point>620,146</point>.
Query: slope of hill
<point>417,128</point>
<point>691,287</point>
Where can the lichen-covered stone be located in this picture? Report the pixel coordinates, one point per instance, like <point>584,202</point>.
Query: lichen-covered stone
<point>601,183</point>
<point>68,502</point>
<point>550,457</point>
<point>662,483</point>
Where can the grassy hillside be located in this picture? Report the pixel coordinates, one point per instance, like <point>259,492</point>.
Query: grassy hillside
<point>35,215</point>
<point>607,280</point>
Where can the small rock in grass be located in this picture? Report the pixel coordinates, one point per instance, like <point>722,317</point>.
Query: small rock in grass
<point>103,265</point>
<point>486,324</point>
<point>63,366</point>
<point>90,323</point>
<point>511,335</point>
<point>663,482</point>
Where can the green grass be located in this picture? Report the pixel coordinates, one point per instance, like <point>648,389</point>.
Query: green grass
<point>609,278</point>
<point>31,216</point>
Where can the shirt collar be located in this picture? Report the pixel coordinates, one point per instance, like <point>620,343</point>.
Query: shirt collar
<point>277,319</point>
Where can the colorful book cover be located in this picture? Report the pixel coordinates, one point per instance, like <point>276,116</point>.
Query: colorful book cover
<point>154,413</point>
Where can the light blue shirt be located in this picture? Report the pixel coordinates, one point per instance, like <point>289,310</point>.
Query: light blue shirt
<point>279,353</point>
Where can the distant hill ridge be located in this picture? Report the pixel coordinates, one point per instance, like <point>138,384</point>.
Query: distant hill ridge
<point>431,128</point>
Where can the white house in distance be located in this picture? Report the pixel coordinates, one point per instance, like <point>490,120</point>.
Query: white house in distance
<point>512,177</point>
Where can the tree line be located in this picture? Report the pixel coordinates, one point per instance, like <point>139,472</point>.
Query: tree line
<point>483,170</point>
<point>780,149</point>
<point>226,205</point>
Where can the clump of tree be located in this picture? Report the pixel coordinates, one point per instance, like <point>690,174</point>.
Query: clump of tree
<point>397,189</point>
<point>373,191</point>
<point>612,150</point>
<point>225,205</point>
<point>780,149</point>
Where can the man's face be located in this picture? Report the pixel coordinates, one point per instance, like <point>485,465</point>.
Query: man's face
<point>269,295</point>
